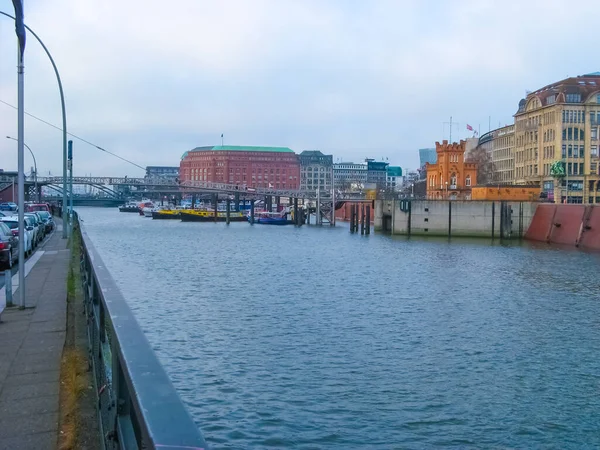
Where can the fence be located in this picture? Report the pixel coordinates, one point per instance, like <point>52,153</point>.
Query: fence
<point>138,405</point>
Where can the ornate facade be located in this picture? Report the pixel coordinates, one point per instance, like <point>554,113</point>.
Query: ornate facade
<point>451,177</point>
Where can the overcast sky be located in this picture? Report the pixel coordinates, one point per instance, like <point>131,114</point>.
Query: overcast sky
<point>150,79</point>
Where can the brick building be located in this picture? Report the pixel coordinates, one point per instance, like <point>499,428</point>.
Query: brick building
<point>275,167</point>
<point>451,177</point>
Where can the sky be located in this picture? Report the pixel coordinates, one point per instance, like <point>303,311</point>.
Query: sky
<point>149,80</point>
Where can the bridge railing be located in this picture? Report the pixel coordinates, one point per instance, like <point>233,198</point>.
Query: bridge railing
<point>138,405</point>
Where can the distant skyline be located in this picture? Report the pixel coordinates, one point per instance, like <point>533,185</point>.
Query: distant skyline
<point>377,79</point>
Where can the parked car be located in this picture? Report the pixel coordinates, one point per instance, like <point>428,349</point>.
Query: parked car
<point>47,219</point>
<point>38,228</point>
<point>12,222</point>
<point>9,247</point>
<point>8,206</point>
<point>32,207</point>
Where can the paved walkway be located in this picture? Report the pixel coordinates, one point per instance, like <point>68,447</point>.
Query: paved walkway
<point>31,344</point>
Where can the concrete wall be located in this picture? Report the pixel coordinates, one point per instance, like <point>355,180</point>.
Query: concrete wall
<point>454,218</point>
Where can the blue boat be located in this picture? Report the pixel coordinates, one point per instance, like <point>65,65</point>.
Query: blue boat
<point>272,218</point>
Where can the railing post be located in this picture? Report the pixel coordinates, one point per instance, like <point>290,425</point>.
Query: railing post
<point>8,287</point>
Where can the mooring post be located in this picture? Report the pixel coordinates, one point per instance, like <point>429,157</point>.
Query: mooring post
<point>368,221</point>
<point>227,210</point>
<point>352,218</point>
<point>493,218</point>
<point>216,204</point>
<point>193,200</point>
<point>449,218</point>
<point>252,212</point>
<point>237,201</point>
<point>362,219</point>
<point>296,218</point>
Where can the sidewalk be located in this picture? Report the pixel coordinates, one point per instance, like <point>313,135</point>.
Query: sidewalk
<point>31,345</point>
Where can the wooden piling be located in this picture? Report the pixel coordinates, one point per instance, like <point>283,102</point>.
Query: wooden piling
<point>227,211</point>
<point>368,221</point>
<point>296,215</point>
<point>216,205</point>
<point>251,212</point>
<point>362,220</point>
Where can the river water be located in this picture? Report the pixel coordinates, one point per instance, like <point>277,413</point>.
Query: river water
<point>313,338</point>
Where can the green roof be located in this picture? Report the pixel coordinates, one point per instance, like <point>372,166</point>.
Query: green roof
<point>243,148</point>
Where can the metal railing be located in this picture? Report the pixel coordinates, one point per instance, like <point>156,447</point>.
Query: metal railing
<point>138,406</point>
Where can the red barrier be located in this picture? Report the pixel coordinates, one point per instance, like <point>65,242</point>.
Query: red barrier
<point>590,235</point>
<point>541,224</point>
<point>567,224</point>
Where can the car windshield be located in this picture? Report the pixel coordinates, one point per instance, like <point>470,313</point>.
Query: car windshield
<point>33,218</point>
<point>12,224</point>
<point>44,214</point>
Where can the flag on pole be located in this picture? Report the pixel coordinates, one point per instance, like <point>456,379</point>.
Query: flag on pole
<point>469,127</point>
<point>19,24</point>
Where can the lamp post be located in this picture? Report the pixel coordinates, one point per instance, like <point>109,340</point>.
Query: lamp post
<point>34,166</point>
<point>64,123</point>
<point>446,189</point>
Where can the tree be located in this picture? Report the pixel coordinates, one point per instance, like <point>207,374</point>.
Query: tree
<point>486,169</point>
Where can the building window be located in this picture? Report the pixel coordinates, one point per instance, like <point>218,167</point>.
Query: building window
<point>594,151</point>
<point>468,180</point>
<point>573,98</point>
<point>551,99</point>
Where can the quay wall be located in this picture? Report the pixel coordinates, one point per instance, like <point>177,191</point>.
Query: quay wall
<point>577,225</point>
<point>507,219</point>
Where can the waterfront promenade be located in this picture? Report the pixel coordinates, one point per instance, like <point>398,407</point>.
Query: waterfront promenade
<point>31,346</point>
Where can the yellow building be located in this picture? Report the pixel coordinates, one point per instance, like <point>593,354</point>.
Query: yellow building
<point>560,123</point>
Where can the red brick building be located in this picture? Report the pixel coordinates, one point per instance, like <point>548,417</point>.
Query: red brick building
<point>275,167</point>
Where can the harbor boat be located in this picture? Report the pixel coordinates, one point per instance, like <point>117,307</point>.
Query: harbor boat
<point>147,211</point>
<point>272,218</point>
<point>166,214</point>
<point>131,207</point>
<point>190,215</point>
<point>145,204</point>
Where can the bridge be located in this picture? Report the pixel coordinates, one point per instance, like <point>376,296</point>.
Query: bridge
<point>165,186</point>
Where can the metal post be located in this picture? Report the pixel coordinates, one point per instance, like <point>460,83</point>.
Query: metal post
<point>332,222</point>
<point>70,163</point>
<point>64,120</point>
<point>21,173</point>
<point>8,287</point>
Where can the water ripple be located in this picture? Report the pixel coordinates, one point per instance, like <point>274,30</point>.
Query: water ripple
<point>312,338</point>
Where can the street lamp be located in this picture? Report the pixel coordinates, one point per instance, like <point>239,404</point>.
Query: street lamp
<point>37,194</point>
<point>446,189</point>
<point>64,125</point>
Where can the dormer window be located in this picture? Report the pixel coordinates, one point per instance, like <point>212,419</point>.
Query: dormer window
<point>573,98</point>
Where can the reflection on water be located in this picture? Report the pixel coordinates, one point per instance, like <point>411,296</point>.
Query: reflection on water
<point>314,338</point>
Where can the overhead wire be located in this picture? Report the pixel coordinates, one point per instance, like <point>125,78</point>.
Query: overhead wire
<point>77,137</point>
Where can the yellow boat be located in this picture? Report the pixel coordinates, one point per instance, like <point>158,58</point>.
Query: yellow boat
<point>192,215</point>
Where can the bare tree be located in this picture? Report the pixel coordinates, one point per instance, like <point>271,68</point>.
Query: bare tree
<point>486,169</point>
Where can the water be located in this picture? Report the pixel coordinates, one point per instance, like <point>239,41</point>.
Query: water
<point>308,338</point>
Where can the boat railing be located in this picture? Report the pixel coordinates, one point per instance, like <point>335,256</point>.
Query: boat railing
<point>138,406</point>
